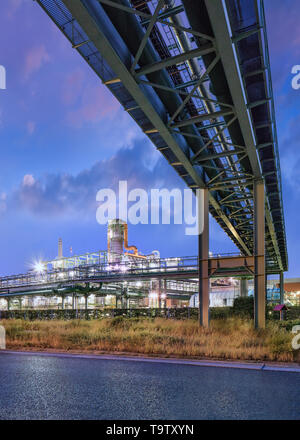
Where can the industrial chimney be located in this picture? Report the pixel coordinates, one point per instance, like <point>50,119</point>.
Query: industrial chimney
<point>60,248</point>
<point>115,240</point>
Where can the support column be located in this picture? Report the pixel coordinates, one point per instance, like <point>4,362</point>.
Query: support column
<point>20,303</point>
<point>159,293</point>
<point>124,298</point>
<point>8,303</point>
<point>259,255</point>
<point>244,287</point>
<point>203,206</point>
<point>86,297</point>
<point>62,302</point>
<point>281,285</point>
<point>73,301</point>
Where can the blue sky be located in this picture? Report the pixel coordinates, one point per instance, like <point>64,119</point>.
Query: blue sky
<point>64,137</point>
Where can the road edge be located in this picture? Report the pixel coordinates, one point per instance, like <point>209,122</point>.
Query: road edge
<point>258,366</point>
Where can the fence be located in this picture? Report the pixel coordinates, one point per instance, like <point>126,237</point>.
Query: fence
<point>242,307</point>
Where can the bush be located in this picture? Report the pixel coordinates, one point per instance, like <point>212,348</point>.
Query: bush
<point>293,312</point>
<point>244,307</point>
<point>288,325</point>
<point>220,312</point>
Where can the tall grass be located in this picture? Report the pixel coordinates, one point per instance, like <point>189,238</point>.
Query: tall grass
<point>233,338</point>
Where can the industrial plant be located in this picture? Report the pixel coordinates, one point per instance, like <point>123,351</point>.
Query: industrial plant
<point>196,79</point>
<point>118,277</point>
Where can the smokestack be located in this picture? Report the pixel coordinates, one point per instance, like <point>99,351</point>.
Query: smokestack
<point>60,248</point>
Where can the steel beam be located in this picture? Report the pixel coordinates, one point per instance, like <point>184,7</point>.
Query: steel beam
<point>177,59</point>
<point>281,284</point>
<point>259,255</point>
<point>169,13</point>
<point>95,34</point>
<point>225,153</point>
<point>201,118</point>
<point>196,86</point>
<point>159,20</point>
<point>221,26</point>
<point>147,34</point>
<point>203,260</point>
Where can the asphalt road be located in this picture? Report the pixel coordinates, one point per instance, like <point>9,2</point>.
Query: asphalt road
<point>57,387</point>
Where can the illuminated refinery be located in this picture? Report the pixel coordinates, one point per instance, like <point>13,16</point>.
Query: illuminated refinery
<point>121,277</point>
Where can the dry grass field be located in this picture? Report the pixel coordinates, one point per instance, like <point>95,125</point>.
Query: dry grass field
<point>233,338</point>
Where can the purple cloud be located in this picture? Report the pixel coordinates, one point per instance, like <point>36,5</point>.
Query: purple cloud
<point>64,194</point>
<point>35,58</point>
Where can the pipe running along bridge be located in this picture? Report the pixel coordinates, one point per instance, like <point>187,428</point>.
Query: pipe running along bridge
<point>195,76</point>
<point>103,273</point>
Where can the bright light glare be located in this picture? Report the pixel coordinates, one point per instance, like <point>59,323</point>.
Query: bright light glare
<point>39,267</point>
<point>163,296</point>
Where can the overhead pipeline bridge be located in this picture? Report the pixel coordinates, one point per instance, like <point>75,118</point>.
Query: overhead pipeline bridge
<point>195,76</point>
<point>183,269</point>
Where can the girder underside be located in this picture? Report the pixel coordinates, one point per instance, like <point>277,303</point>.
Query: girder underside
<point>211,137</point>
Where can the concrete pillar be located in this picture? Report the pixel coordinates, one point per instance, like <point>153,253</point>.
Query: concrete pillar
<point>86,297</point>
<point>281,284</point>
<point>73,301</point>
<point>98,301</point>
<point>259,255</point>
<point>8,303</point>
<point>203,210</point>
<point>123,298</point>
<point>29,302</point>
<point>20,303</point>
<point>166,292</point>
<point>244,287</point>
<point>62,302</point>
<point>159,293</point>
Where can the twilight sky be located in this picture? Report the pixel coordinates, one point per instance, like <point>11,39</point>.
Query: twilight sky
<point>64,136</point>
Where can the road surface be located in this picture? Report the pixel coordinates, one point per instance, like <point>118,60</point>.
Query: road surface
<point>37,386</point>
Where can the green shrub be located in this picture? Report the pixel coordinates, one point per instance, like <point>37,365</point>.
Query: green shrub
<point>220,312</point>
<point>288,325</point>
<point>244,306</point>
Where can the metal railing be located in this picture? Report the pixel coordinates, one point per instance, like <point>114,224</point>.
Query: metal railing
<point>90,273</point>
